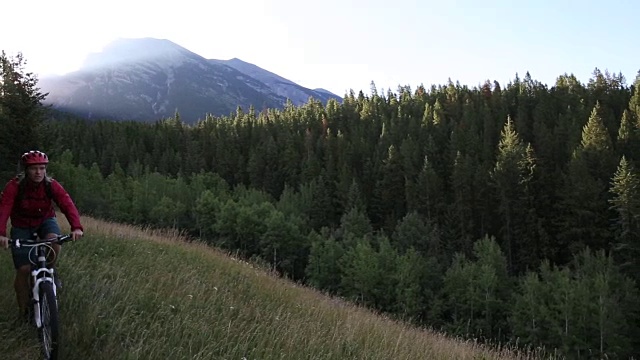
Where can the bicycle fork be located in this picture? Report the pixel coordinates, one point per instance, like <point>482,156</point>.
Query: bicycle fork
<point>36,293</point>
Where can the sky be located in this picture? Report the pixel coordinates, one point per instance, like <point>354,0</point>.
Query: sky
<point>343,45</point>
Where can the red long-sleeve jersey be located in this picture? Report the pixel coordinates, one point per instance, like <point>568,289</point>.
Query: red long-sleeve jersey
<point>35,206</point>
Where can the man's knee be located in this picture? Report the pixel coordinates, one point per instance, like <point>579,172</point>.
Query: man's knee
<point>52,256</point>
<point>50,235</point>
<point>23,271</point>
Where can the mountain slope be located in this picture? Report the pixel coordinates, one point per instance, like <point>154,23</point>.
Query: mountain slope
<point>281,86</point>
<point>133,294</point>
<point>148,79</point>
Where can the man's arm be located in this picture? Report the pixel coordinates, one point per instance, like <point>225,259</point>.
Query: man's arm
<point>68,208</point>
<point>6,204</point>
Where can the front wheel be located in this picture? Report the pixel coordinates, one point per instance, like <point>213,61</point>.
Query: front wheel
<point>49,330</point>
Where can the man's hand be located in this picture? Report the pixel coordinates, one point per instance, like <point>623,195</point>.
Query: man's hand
<point>76,234</point>
<point>4,242</point>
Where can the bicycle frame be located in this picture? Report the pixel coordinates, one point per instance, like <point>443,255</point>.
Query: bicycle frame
<point>40,272</point>
<point>43,283</point>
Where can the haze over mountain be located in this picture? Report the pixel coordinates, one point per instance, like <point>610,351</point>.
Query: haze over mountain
<point>148,79</point>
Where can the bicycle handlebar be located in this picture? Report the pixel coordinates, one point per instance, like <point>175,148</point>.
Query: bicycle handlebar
<point>59,239</point>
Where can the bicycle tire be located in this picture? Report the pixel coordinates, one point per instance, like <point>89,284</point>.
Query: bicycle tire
<point>49,331</point>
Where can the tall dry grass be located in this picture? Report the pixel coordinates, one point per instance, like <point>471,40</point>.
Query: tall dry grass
<point>134,293</point>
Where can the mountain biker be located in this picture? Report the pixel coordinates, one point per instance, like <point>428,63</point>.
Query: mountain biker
<point>27,200</point>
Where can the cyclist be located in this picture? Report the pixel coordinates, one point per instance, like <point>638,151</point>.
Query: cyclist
<point>27,200</point>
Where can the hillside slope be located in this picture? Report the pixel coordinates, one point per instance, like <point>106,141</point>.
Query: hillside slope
<point>134,294</point>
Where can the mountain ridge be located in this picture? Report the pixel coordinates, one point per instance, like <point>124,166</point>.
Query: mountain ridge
<point>146,79</point>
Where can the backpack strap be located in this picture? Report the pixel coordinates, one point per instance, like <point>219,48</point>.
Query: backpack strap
<point>21,186</point>
<point>47,187</point>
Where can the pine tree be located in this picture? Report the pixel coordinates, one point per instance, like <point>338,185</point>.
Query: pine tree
<point>323,270</point>
<point>512,175</point>
<point>625,187</point>
<point>21,112</point>
<point>429,192</point>
<point>627,142</point>
<point>634,102</point>
<point>528,310</point>
<point>389,193</point>
<point>459,222</point>
<point>585,213</point>
<point>597,146</point>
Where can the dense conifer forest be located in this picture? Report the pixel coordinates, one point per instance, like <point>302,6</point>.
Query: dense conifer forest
<point>506,213</point>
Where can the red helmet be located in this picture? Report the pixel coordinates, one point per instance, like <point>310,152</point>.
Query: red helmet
<point>34,157</point>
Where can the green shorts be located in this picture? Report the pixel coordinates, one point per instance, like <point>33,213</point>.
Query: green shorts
<point>21,255</point>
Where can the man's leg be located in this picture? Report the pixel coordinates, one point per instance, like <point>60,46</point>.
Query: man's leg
<point>50,229</point>
<point>21,285</point>
<point>56,250</point>
<point>23,269</point>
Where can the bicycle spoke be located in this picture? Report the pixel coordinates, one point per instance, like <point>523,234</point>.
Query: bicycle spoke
<point>49,318</point>
<point>46,331</point>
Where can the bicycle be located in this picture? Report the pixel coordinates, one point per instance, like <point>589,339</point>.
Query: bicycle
<point>44,291</point>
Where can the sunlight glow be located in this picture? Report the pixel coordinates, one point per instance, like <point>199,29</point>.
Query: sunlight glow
<point>344,45</point>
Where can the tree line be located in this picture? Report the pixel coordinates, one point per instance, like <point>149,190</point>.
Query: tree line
<point>508,214</point>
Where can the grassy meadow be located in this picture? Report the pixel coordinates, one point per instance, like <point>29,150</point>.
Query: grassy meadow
<point>131,293</point>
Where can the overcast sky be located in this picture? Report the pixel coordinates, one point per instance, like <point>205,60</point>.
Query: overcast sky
<point>342,45</point>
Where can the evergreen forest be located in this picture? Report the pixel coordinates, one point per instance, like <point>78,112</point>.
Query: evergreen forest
<point>505,213</point>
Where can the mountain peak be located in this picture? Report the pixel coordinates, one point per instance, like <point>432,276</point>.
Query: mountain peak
<point>128,50</point>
